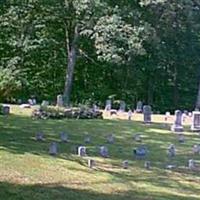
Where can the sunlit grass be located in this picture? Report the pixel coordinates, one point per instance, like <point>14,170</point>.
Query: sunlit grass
<point>28,172</point>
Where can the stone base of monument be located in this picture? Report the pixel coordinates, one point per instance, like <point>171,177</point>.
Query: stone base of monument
<point>176,128</point>
<point>195,128</point>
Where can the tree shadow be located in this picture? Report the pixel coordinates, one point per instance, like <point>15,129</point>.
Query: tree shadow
<point>11,191</point>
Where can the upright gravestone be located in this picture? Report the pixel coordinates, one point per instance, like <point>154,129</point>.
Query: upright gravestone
<point>60,101</point>
<point>64,137</point>
<point>177,126</point>
<point>171,151</point>
<point>110,139</point>
<point>195,121</point>
<point>82,151</point>
<point>5,110</point>
<point>104,151</point>
<point>87,139</point>
<point>125,164</point>
<point>108,105</point>
<point>44,103</point>
<point>122,107</point>
<point>39,136</point>
<point>191,164</point>
<point>147,114</point>
<point>147,164</point>
<point>139,107</point>
<point>53,149</point>
<point>91,163</point>
<point>130,114</point>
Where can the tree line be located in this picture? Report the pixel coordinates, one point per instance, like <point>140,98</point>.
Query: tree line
<point>92,50</point>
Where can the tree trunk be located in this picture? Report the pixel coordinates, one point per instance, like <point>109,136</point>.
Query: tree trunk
<point>198,98</point>
<point>71,61</point>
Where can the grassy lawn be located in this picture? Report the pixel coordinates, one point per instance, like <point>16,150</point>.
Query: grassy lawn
<point>28,172</point>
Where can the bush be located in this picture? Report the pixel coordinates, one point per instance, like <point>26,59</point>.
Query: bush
<point>53,112</point>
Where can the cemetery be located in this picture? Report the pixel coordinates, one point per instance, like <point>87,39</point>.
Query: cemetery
<point>99,100</point>
<point>99,159</point>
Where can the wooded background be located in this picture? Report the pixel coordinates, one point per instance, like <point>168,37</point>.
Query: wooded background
<point>90,50</point>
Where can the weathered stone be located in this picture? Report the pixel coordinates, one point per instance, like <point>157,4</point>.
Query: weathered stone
<point>110,139</point>
<point>82,151</point>
<point>39,136</point>
<point>122,107</point>
<point>108,106</point>
<point>171,151</point>
<point>60,101</point>
<point>177,126</point>
<point>104,152</point>
<point>181,138</point>
<point>191,164</point>
<point>140,152</point>
<point>130,114</point>
<point>147,165</point>
<point>64,137</point>
<point>53,149</point>
<point>196,149</point>
<point>91,163</point>
<point>125,164</point>
<point>147,114</point>
<point>139,107</point>
<point>195,121</point>
<point>5,110</point>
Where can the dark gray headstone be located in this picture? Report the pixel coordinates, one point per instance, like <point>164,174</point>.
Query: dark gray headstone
<point>195,121</point>
<point>64,137</point>
<point>104,151</point>
<point>171,151</point>
<point>110,139</point>
<point>147,114</point>
<point>177,126</point>
<point>53,149</point>
<point>140,152</point>
<point>39,136</point>
<point>125,164</point>
<point>181,138</point>
<point>147,165</point>
<point>5,110</point>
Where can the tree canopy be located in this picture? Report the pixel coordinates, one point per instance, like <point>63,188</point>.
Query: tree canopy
<point>90,50</point>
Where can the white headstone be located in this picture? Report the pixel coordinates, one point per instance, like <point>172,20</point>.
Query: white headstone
<point>82,151</point>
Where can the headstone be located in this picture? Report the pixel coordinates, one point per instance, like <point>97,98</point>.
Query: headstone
<point>195,121</point>
<point>171,151</point>
<point>191,164</point>
<point>104,151</point>
<point>147,114</point>
<point>122,107</point>
<point>25,106</point>
<point>34,101</point>
<point>167,116</point>
<point>91,163</point>
<point>184,116</point>
<point>82,151</point>
<point>181,138</point>
<point>140,152</point>
<point>171,166</point>
<point>44,103</point>
<point>196,149</point>
<point>30,101</point>
<point>147,164</point>
<point>53,149</point>
<point>60,101</point>
<point>125,164</point>
<point>64,137</point>
<point>177,126</point>
<point>139,107</point>
<point>39,136</point>
<point>130,114</point>
<point>110,139</point>
<point>108,105</point>
<point>137,137</point>
<point>5,110</point>
<point>87,139</point>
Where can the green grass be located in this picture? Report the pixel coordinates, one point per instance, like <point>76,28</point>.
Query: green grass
<point>28,172</point>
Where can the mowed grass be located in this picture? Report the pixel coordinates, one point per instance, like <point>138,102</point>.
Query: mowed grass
<point>28,172</point>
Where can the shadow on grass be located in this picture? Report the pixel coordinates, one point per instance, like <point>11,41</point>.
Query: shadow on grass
<point>10,191</point>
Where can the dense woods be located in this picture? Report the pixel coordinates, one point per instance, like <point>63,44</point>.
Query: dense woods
<point>92,50</point>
